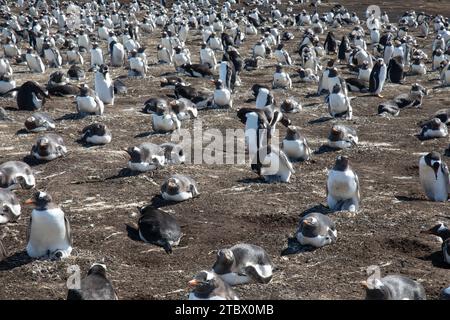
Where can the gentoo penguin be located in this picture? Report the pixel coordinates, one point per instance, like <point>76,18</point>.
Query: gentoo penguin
<point>138,68</point>
<point>96,133</point>
<point>159,228</point>
<point>30,96</point>
<point>88,102</point>
<point>7,83</point>
<point>330,43</point>
<point>9,206</point>
<point>227,73</point>
<point>120,87</point>
<point>179,188</point>
<point>222,96</point>
<point>443,115</point>
<point>207,285</point>
<point>307,75</point>
<point>259,50</point>
<point>39,121</point>
<point>356,85</point>
<point>264,98</point>
<point>5,67</point>
<point>48,147</point>
<point>197,70</point>
<point>444,75</point>
<point>433,128</point>
<point>151,104</point>
<point>328,79</point>
<point>339,103</point>
<point>295,146</point>
<point>418,67</point>
<point>170,82</point>
<point>164,120</point>
<point>180,58</point>
<point>163,55</point>
<point>393,287</point>
<point>377,78</point>
<point>437,58</point>
<point>364,72</point>
<point>15,174</point>
<point>34,62</point>
<point>443,232</point>
<point>48,230</point>
<point>395,71</point>
<point>96,55</point>
<point>117,53</point>
<point>282,55</point>
<point>104,86</point>
<point>342,137</point>
<point>290,106</point>
<point>184,109</point>
<point>95,286</point>
<point>207,56</point>
<point>62,89</point>
<point>411,99</point>
<point>76,72</point>
<point>343,187</point>
<point>281,79</point>
<point>434,177</point>
<point>145,157</point>
<point>243,263</point>
<point>317,230</point>
<point>52,56</point>
<point>173,153</point>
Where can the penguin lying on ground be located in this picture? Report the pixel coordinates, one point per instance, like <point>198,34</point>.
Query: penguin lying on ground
<point>441,231</point>
<point>179,188</point>
<point>433,128</point>
<point>30,96</point>
<point>9,206</point>
<point>317,230</point>
<point>95,286</point>
<point>243,263</point>
<point>48,147</point>
<point>96,133</point>
<point>145,157</point>
<point>15,174</point>
<point>39,121</point>
<point>393,287</point>
<point>207,285</point>
<point>159,228</point>
<point>295,146</point>
<point>342,137</point>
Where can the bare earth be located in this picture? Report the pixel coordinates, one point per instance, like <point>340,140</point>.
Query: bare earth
<point>234,205</point>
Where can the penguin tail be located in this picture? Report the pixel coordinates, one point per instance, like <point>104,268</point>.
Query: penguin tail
<point>9,91</point>
<point>167,247</point>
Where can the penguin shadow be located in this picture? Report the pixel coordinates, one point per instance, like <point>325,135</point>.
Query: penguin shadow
<point>294,247</point>
<point>133,232</point>
<point>86,144</point>
<point>437,260</point>
<point>252,180</point>
<point>320,120</point>
<point>408,198</point>
<point>317,208</point>
<point>32,161</point>
<point>124,173</point>
<point>151,133</point>
<point>17,260</point>
<point>72,116</point>
<point>22,131</point>
<point>325,149</point>
<point>159,202</point>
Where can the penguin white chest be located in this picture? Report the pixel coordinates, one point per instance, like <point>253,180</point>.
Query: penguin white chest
<point>104,89</point>
<point>48,233</point>
<point>165,122</point>
<point>222,97</point>
<point>435,187</point>
<point>295,149</point>
<point>86,104</point>
<point>341,184</point>
<point>337,103</point>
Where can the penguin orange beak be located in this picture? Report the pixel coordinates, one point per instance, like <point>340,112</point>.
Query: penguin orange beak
<point>193,283</point>
<point>30,201</point>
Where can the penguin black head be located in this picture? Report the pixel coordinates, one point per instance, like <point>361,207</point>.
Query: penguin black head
<point>104,69</point>
<point>376,290</point>
<point>341,163</point>
<point>292,133</point>
<point>98,269</point>
<point>333,72</point>
<point>279,68</point>
<point>178,50</point>
<point>203,283</point>
<point>224,260</point>
<point>40,199</point>
<point>337,88</point>
<point>280,46</point>
<point>433,159</point>
<point>219,84</point>
<point>439,230</point>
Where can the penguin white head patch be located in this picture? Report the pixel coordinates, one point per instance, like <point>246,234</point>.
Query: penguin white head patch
<point>42,195</point>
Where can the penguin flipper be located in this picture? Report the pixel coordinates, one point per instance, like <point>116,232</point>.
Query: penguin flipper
<point>29,229</point>
<point>68,232</point>
<point>445,171</point>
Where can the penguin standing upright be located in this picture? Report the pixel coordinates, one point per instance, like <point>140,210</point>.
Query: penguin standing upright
<point>49,232</point>
<point>434,177</point>
<point>104,86</point>
<point>117,52</point>
<point>34,62</point>
<point>377,78</point>
<point>96,55</point>
<point>330,43</point>
<point>395,70</point>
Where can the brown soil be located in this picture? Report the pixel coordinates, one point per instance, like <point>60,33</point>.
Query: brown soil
<point>234,206</point>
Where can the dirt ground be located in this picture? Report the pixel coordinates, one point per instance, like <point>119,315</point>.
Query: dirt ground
<point>234,205</point>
